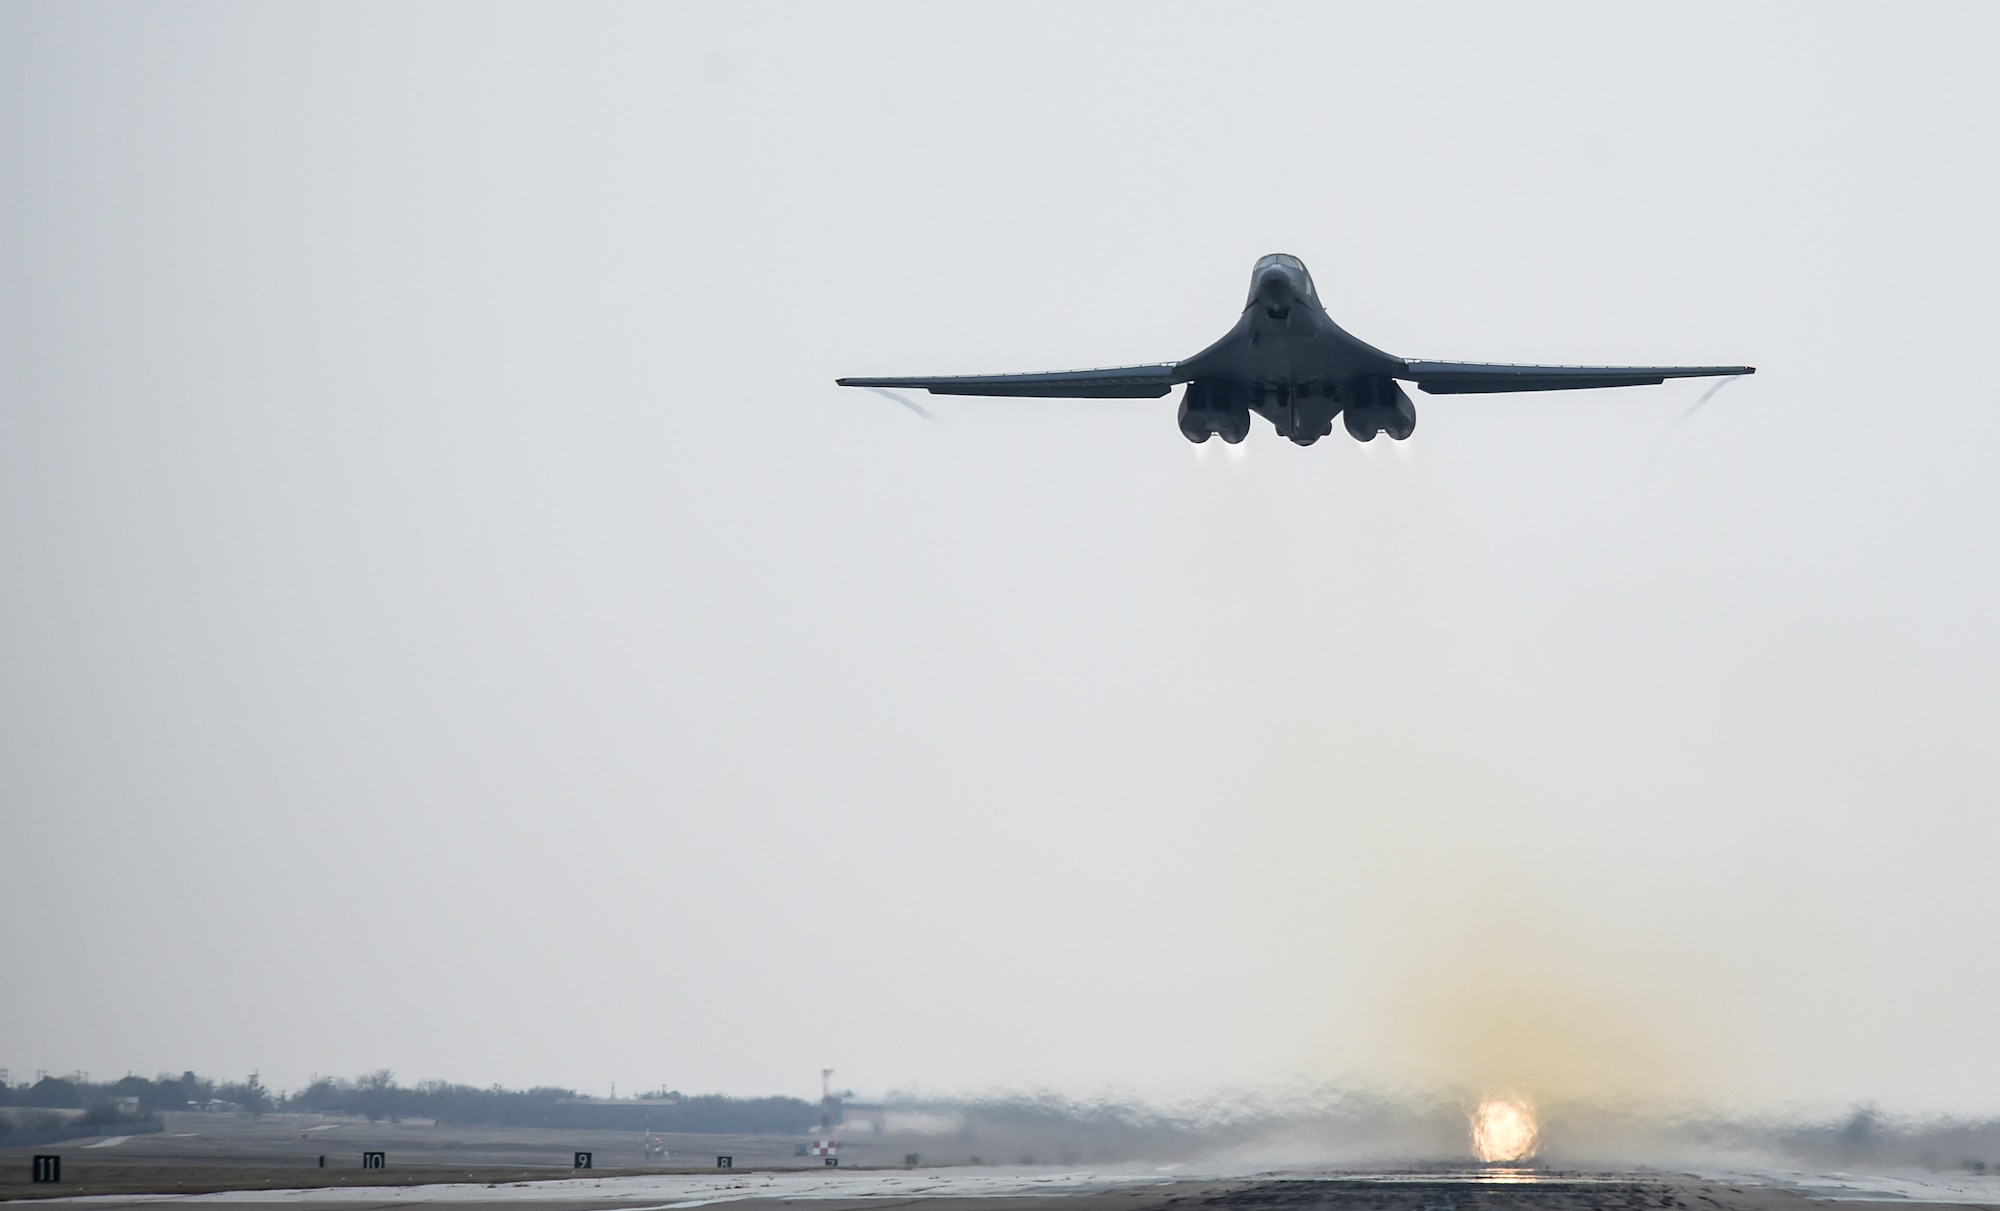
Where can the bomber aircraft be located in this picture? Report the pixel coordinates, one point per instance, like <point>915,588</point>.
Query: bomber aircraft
<point>1287,361</point>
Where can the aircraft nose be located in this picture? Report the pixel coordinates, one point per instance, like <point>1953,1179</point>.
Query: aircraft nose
<point>1274,287</point>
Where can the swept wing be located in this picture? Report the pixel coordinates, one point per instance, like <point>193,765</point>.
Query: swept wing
<point>1116,382</point>
<point>1466,378</point>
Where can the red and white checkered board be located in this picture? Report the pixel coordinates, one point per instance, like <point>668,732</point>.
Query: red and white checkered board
<point>825,1148</point>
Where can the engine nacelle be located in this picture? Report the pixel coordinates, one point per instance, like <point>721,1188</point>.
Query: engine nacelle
<point>1378,405</point>
<point>1210,408</point>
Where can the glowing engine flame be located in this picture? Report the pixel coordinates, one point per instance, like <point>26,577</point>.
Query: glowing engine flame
<point>1503,1129</point>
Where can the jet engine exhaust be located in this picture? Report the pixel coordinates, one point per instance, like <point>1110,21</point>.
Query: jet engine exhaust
<point>1503,1129</point>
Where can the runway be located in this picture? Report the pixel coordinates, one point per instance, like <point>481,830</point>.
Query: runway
<point>307,1163</point>
<point>1019,1189</point>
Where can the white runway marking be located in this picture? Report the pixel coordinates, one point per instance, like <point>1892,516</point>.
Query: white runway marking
<point>109,1141</point>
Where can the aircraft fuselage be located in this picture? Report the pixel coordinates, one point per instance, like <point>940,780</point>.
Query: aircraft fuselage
<point>1287,361</point>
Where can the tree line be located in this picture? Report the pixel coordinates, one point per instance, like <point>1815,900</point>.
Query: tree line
<point>378,1096</point>
<point>165,1092</point>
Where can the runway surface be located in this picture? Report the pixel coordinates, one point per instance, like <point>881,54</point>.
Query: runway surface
<point>1020,1189</point>
<point>310,1163</point>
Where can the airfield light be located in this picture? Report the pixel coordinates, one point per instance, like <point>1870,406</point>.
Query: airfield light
<point>1503,1129</point>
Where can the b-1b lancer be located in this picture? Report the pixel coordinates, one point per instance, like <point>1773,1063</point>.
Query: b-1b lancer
<point>1287,361</point>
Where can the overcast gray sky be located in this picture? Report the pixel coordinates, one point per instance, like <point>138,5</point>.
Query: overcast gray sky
<point>449,620</point>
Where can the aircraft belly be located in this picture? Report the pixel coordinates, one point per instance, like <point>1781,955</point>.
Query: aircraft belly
<point>1290,354</point>
<point>1307,349</point>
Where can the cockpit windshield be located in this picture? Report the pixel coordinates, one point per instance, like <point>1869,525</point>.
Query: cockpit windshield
<point>1289,262</point>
